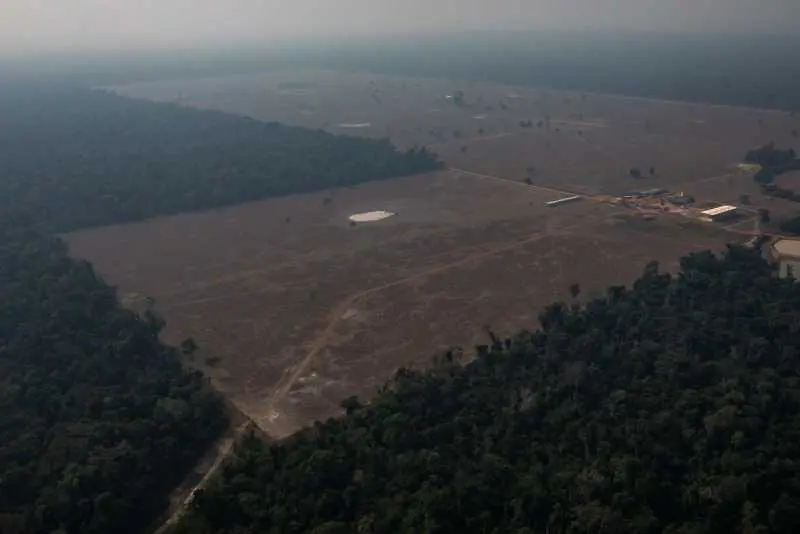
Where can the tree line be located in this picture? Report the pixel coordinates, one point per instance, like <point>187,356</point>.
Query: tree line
<point>78,158</point>
<point>98,421</point>
<point>667,407</point>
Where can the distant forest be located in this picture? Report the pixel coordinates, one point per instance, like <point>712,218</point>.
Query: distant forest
<point>742,70</point>
<point>74,158</point>
<point>745,70</point>
<point>667,407</point>
<point>98,422</point>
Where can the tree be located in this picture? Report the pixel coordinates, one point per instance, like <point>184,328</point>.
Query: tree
<point>791,226</point>
<point>744,199</point>
<point>574,290</point>
<point>763,215</point>
<point>652,171</point>
<point>188,347</point>
<point>635,173</point>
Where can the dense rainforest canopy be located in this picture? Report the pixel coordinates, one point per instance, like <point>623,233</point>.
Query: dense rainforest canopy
<point>75,158</point>
<point>97,419</point>
<point>669,407</point>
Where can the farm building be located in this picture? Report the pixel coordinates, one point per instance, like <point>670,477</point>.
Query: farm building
<point>562,201</point>
<point>786,252</point>
<point>719,213</point>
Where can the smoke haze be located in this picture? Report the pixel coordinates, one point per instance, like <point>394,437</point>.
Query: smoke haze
<point>45,26</point>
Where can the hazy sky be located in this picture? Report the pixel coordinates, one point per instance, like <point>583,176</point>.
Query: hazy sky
<point>61,25</point>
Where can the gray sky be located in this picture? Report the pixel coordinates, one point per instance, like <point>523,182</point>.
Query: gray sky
<point>66,25</point>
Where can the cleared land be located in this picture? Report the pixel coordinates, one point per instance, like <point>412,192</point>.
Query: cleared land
<point>295,309</point>
<point>294,316</point>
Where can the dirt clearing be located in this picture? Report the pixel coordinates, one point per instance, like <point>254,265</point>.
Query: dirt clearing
<point>295,310</point>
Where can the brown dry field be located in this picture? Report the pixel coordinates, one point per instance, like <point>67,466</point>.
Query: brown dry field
<point>593,141</point>
<point>302,314</point>
<point>306,312</point>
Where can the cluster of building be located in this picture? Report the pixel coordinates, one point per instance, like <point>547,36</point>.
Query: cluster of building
<point>786,253</point>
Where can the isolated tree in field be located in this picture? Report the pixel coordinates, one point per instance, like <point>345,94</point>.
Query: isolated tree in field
<point>480,131</point>
<point>464,149</point>
<point>574,290</point>
<point>635,173</point>
<point>528,181</point>
<point>350,404</point>
<point>188,347</point>
<point>764,215</point>
<point>744,200</point>
<point>652,171</point>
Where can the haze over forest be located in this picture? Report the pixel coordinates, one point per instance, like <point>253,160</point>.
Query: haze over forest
<point>579,314</point>
<point>36,28</point>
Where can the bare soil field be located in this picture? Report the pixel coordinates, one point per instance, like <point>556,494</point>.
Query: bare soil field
<point>294,309</point>
<point>586,142</point>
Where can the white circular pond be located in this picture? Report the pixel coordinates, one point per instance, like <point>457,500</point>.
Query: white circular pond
<point>370,216</point>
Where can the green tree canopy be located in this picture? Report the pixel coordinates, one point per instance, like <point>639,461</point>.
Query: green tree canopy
<point>97,419</point>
